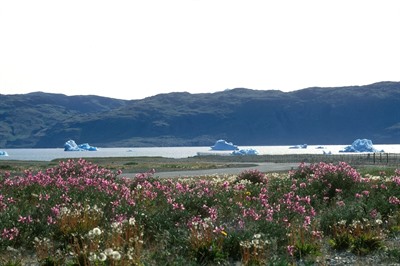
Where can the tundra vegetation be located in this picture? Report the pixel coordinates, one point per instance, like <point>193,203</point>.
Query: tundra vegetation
<point>78,213</point>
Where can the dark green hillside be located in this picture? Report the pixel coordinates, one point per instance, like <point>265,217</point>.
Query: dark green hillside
<point>243,116</point>
<point>28,119</point>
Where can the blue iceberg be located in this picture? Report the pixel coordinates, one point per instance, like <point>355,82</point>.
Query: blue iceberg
<point>361,145</point>
<point>70,145</point>
<point>245,152</point>
<point>301,146</point>
<point>3,153</point>
<point>222,145</point>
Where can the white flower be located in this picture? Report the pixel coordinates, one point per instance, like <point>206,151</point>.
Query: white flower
<point>378,221</point>
<point>115,255</point>
<point>92,257</point>
<point>255,242</point>
<point>116,227</point>
<point>245,244</point>
<point>257,236</point>
<point>108,251</point>
<point>102,257</point>
<point>132,221</point>
<point>96,231</point>
<point>64,210</point>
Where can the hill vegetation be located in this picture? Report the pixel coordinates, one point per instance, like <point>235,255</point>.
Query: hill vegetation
<point>242,116</point>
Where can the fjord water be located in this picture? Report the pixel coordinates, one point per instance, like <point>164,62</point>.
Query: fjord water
<point>170,152</point>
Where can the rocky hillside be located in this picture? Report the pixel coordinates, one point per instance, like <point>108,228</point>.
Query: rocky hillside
<point>243,116</point>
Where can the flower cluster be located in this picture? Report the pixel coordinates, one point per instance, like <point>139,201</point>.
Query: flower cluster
<point>81,212</point>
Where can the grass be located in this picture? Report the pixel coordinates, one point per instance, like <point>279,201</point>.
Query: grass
<point>79,212</point>
<point>127,164</point>
<point>138,164</point>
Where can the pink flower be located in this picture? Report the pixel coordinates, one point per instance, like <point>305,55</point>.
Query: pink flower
<point>213,212</point>
<point>50,220</point>
<point>11,200</point>
<point>290,250</point>
<point>340,203</point>
<point>10,234</point>
<point>177,206</point>
<point>27,219</point>
<point>45,197</point>
<point>373,213</point>
<point>317,234</point>
<point>218,229</point>
<point>307,221</point>
<point>365,192</point>
<point>394,200</point>
<point>225,185</point>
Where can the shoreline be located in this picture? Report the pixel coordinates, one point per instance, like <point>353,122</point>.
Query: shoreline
<point>49,154</point>
<point>210,164</point>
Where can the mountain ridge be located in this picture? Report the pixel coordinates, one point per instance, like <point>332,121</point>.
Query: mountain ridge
<point>316,115</point>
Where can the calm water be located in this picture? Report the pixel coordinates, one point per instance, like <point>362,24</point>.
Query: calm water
<point>171,152</point>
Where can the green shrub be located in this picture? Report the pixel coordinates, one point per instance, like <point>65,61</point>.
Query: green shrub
<point>254,176</point>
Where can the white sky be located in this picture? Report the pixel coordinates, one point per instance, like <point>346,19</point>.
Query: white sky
<point>137,48</point>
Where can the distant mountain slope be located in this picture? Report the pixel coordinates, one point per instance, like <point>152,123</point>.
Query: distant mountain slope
<point>27,119</point>
<point>243,116</point>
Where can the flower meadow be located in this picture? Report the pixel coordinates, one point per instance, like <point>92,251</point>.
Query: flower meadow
<point>78,213</point>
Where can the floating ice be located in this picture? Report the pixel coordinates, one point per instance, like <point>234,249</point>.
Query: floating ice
<point>245,152</point>
<point>222,145</point>
<point>301,146</point>
<point>3,153</point>
<point>361,145</point>
<point>70,145</point>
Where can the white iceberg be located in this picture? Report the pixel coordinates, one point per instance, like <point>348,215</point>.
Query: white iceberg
<point>245,152</point>
<point>222,145</point>
<point>70,145</point>
<point>301,146</point>
<point>361,145</point>
<point>3,153</point>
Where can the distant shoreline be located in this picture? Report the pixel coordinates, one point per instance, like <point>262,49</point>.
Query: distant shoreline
<point>49,154</point>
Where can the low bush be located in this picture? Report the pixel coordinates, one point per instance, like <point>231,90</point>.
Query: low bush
<point>77,213</point>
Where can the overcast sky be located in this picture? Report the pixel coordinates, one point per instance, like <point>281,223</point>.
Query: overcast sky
<point>133,49</point>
